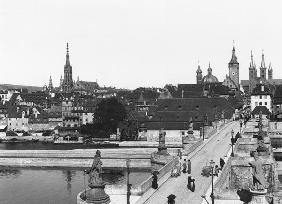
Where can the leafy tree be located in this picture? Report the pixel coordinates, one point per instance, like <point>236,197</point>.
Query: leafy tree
<point>108,114</point>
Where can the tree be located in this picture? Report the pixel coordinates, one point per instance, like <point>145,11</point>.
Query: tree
<point>108,114</point>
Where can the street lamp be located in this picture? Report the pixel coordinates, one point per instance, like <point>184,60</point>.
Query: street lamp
<point>205,122</point>
<point>127,181</point>
<point>212,163</point>
<point>232,142</point>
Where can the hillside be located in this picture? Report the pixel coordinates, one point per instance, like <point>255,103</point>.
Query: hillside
<point>13,86</point>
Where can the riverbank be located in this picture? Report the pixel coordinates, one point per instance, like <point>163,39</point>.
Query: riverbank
<point>139,158</point>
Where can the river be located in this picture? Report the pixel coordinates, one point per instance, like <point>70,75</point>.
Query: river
<point>54,186</point>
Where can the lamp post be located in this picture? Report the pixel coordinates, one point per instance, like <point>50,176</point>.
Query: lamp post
<point>232,142</point>
<point>204,124</point>
<point>212,163</point>
<point>127,181</point>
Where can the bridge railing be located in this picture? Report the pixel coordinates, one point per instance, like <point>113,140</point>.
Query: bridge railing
<point>147,184</point>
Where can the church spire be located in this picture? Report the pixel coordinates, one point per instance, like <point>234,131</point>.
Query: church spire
<point>233,58</point>
<point>50,87</point>
<point>67,55</point>
<point>262,61</point>
<point>252,60</point>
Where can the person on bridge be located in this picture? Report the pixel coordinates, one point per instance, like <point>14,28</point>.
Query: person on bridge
<point>179,153</point>
<point>216,170</point>
<point>189,166</point>
<point>191,183</point>
<point>222,163</point>
<point>171,199</point>
<point>184,166</point>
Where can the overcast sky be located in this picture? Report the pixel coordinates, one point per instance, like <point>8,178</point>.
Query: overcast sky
<point>135,43</point>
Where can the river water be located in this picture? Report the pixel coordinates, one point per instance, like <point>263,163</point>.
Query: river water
<point>54,186</point>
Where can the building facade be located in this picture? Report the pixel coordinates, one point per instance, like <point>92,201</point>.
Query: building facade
<point>261,96</point>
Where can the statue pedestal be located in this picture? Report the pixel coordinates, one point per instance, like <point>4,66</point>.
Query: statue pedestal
<point>259,197</point>
<point>94,195</point>
<point>160,158</point>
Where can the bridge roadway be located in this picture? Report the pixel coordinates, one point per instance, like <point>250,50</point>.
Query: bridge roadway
<point>214,148</point>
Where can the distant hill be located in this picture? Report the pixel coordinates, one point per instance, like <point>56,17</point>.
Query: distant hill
<point>13,86</point>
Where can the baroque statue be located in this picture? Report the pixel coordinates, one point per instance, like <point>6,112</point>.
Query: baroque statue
<point>258,175</point>
<point>95,171</point>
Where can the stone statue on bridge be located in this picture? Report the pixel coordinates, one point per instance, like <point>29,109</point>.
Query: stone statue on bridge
<point>96,194</point>
<point>95,171</point>
<point>258,175</point>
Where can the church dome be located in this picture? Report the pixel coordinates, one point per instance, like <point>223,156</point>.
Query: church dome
<point>209,78</point>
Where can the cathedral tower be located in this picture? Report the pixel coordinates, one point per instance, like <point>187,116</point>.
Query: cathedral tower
<point>67,82</point>
<point>262,69</point>
<point>252,69</point>
<point>270,72</point>
<point>199,75</point>
<point>50,87</point>
<point>233,66</point>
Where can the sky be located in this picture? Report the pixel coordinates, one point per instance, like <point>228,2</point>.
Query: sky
<point>135,43</point>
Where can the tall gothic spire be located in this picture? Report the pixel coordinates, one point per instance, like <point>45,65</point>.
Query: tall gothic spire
<point>252,65</point>
<point>262,61</point>
<point>67,55</point>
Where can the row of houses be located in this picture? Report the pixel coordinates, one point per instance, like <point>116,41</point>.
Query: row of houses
<point>40,111</point>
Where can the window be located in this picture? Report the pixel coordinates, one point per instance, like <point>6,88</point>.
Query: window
<point>182,133</point>
<point>265,103</point>
<point>260,97</point>
<point>260,103</point>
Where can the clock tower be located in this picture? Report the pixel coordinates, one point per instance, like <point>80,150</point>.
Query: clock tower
<point>233,66</point>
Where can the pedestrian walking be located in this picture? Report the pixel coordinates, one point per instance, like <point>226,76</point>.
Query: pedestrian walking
<point>221,163</point>
<point>191,183</point>
<point>155,180</point>
<point>189,166</point>
<point>171,199</point>
<point>179,153</point>
<point>216,170</point>
<point>184,166</point>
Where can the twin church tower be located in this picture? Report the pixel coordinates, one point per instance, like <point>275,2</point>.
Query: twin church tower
<point>232,80</point>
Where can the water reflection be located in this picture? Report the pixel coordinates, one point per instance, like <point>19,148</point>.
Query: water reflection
<point>68,178</point>
<point>46,186</point>
<point>6,171</point>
